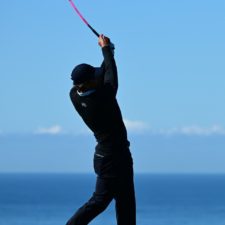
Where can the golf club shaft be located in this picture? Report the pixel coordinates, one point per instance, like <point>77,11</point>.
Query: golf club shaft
<point>84,20</point>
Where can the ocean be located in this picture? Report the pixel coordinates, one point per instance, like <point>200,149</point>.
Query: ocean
<point>162,199</point>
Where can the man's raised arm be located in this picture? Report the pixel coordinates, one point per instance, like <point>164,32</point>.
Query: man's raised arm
<point>110,76</point>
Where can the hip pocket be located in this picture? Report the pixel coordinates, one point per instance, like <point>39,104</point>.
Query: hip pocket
<point>98,160</point>
<point>104,165</point>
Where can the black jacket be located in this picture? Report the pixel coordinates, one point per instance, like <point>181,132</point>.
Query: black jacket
<point>100,110</point>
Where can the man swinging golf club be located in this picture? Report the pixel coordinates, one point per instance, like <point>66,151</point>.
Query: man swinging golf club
<point>94,97</point>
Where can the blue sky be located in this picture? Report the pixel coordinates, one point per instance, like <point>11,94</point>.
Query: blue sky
<point>170,56</point>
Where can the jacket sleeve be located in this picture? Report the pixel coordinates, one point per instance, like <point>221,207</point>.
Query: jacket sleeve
<point>110,76</point>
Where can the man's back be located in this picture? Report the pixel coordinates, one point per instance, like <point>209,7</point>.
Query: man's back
<point>101,113</point>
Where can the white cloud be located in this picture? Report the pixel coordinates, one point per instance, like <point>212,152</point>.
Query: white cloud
<point>140,127</point>
<point>195,130</point>
<point>56,129</point>
<point>135,125</point>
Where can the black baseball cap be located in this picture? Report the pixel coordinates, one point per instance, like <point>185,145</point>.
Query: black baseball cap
<point>85,72</point>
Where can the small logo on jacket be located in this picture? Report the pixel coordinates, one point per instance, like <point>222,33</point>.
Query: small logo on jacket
<point>84,104</point>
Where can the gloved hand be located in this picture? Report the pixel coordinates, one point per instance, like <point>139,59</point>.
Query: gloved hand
<point>105,41</point>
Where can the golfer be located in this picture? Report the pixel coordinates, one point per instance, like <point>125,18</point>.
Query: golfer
<point>94,97</point>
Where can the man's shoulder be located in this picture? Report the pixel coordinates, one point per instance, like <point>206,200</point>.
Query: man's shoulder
<point>73,90</point>
<point>73,93</point>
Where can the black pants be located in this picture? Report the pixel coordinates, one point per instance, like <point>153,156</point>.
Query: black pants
<point>114,181</point>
